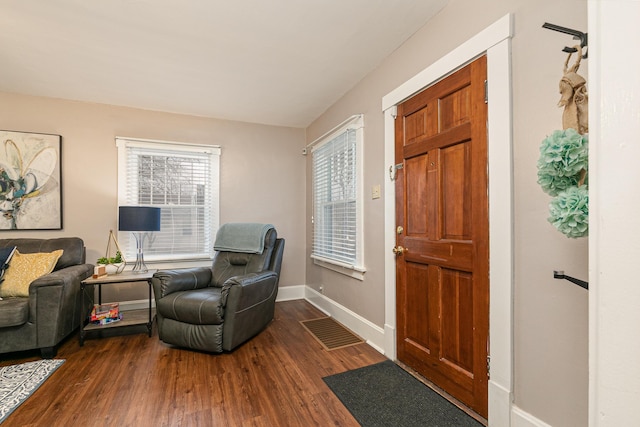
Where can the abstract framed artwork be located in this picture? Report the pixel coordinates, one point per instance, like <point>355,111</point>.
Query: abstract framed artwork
<point>30,181</point>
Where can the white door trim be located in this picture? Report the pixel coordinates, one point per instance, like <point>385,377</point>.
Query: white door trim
<point>614,296</point>
<point>495,41</point>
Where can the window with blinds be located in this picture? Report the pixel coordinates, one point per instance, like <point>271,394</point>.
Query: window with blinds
<point>336,172</point>
<point>183,181</point>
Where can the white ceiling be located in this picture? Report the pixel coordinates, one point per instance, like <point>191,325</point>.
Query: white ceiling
<point>279,62</point>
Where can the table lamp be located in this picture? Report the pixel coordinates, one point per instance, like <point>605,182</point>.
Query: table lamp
<point>140,220</point>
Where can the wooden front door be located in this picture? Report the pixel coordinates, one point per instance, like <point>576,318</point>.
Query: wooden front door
<point>443,235</point>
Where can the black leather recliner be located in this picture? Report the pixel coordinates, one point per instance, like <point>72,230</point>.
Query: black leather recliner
<point>215,309</point>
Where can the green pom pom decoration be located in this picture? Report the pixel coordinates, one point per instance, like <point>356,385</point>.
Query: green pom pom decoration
<point>552,183</point>
<point>563,155</point>
<point>569,212</point>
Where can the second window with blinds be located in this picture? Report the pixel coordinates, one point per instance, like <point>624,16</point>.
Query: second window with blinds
<point>183,181</point>
<point>337,199</point>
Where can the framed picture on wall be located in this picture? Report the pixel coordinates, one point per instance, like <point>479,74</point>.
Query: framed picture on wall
<point>30,181</point>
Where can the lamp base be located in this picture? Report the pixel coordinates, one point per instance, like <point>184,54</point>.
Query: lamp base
<point>139,266</point>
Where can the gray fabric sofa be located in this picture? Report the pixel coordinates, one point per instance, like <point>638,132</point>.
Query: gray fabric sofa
<point>52,310</point>
<point>215,309</point>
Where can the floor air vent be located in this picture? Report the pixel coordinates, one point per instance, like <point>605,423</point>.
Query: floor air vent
<point>331,334</point>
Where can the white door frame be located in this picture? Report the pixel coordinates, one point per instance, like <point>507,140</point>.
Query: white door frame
<point>495,41</point>
<point>614,295</point>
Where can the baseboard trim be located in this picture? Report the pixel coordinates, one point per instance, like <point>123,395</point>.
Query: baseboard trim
<point>499,405</point>
<point>390,341</point>
<point>289,293</point>
<point>371,333</point>
<point>522,418</point>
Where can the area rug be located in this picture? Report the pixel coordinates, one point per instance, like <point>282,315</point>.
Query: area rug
<point>385,395</point>
<point>18,382</point>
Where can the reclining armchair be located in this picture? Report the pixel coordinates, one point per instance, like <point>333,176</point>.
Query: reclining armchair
<point>215,309</point>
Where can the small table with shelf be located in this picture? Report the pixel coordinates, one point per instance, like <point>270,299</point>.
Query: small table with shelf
<point>130,317</point>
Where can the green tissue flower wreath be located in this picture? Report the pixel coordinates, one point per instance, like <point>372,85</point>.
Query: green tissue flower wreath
<point>563,155</point>
<point>569,212</point>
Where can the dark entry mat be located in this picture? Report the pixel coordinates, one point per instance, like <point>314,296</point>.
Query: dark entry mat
<point>384,395</point>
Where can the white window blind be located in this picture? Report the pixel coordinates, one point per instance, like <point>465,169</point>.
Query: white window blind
<point>337,230</point>
<point>183,181</point>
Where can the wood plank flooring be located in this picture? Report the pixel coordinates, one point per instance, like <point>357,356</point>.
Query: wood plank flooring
<point>274,379</point>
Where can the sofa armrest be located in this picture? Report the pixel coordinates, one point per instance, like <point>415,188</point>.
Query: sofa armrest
<point>62,277</point>
<point>166,282</point>
<point>55,301</point>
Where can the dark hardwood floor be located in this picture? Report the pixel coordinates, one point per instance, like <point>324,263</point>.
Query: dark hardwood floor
<point>274,379</point>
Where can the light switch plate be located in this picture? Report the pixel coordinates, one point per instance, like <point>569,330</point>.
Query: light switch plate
<point>375,191</point>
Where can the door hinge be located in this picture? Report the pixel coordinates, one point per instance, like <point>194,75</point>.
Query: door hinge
<point>488,366</point>
<point>486,92</point>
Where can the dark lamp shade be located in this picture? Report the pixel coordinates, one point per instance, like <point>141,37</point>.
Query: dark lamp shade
<point>139,218</point>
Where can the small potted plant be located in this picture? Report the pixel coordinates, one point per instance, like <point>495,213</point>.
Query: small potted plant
<point>113,265</point>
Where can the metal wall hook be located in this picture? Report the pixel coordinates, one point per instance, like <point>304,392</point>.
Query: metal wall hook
<point>577,35</point>
<point>559,274</point>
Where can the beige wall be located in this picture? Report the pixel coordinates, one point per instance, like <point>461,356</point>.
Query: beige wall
<point>550,316</point>
<point>260,180</point>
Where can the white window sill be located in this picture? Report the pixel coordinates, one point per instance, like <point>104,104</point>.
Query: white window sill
<point>351,271</point>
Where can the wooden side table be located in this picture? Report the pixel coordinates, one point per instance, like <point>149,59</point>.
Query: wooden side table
<point>130,317</point>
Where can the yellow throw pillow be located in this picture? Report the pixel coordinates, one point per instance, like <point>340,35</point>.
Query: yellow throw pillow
<point>24,269</point>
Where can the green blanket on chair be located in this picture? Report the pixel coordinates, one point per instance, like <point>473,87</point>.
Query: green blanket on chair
<point>241,237</point>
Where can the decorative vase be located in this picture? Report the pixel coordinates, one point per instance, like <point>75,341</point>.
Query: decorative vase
<point>114,268</point>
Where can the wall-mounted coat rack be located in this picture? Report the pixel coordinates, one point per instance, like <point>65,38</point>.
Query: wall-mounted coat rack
<point>577,35</point>
<point>561,275</point>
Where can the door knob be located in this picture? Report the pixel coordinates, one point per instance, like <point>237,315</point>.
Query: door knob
<point>398,250</point>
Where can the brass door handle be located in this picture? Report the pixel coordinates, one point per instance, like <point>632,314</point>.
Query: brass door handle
<point>398,250</point>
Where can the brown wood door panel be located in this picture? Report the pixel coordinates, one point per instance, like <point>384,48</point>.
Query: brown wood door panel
<point>416,298</point>
<point>450,254</point>
<point>456,192</point>
<point>417,224</point>
<point>457,320</point>
<point>441,203</point>
<point>421,124</point>
<point>456,81</point>
<point>439,316</point>
<point>422,145</point>
<point>455,108</point>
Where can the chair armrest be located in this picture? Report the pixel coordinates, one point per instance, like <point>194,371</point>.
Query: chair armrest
<point>166,282</point>
<point>250,304</point>
<point>246,291</point>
